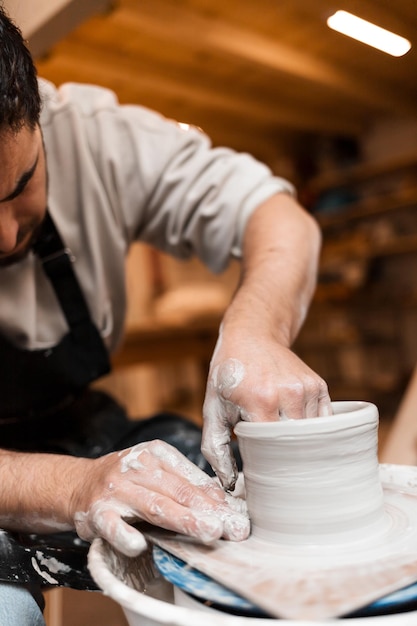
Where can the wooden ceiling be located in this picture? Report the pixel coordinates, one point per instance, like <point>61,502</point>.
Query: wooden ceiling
<point>251,73</point>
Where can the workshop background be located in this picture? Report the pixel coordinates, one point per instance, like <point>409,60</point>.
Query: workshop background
<point>336,117</point>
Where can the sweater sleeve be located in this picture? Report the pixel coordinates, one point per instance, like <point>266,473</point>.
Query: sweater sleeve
<point>167,185</point>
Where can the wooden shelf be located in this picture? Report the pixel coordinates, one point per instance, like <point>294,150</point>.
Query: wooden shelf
<point>155,342</point>
<point>400,245</point>
<point>374,206</point>
<point>330,344</point>
<point>360,298</point>
<point>405,244</point>
<point>362,173</point>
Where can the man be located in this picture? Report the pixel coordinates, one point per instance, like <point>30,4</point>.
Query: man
<point>81,178</point>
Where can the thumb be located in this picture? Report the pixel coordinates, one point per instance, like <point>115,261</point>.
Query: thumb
<point>216,448</point>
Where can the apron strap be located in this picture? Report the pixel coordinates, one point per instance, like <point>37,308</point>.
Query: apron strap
<point>57,262</point>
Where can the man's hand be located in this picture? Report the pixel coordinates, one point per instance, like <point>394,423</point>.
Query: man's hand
<point>253,374</point>
<point>153,482</point>
<point>264,381</point>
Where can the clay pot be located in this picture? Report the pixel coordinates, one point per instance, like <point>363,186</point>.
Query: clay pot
<point>315,480</point>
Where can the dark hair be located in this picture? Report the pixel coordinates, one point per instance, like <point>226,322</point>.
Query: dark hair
<point>20,101</point>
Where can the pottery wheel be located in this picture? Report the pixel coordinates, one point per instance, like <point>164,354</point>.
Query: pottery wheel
<point>316,582</point>
<point>210,593</point>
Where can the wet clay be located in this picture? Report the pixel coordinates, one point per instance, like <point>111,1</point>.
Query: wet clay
<point>314,480</point>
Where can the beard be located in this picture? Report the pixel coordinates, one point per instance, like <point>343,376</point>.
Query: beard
<point>29,233</point>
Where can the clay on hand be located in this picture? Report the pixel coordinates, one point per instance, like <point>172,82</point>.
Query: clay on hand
<point>154,482</point>
<point>267,383</point>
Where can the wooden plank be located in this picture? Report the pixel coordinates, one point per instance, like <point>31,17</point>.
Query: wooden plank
<point>152,342</point>
<point>117,59</point>
<point>363,172</point>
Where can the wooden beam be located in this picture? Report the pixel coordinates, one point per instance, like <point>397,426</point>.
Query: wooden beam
<point>222,38</point>
<point>147,88</point>
<point>44,22</point>
<point>32,14</point>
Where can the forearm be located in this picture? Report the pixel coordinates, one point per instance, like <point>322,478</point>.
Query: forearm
<point>37,490</point>
<point>254,375</point>
<point>152,482</point>
<point>281,250</point>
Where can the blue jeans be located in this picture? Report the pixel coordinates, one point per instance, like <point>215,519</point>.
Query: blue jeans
<point>18,607</point>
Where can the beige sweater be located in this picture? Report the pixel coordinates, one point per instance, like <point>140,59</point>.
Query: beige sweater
<point>117,174</point>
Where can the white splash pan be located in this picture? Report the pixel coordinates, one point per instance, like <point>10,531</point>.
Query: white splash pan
<point>316,582</point>
<point>119,578</point>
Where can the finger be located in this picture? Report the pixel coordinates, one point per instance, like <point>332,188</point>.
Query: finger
<point>220,415</point>
<point>203,524</point>
<point>175,463</point>
<point>162,470</point>
<point>292,402</point>
<point>121,535</point>
<point>324,405</point>
<point>161,510</point>
<point>105,520</point>
<point>150,461</point>
<point>318,401</point>
<point>170,497</point>
<point>307,398</point>
<point>215,446</point>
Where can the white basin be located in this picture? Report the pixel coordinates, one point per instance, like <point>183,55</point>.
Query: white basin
<point>149,601</point>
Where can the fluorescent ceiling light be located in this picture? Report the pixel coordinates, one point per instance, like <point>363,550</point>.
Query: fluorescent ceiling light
<point>368,33</point>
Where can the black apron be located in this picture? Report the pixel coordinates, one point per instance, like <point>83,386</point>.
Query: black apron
<point>37,382</point>
<point>42,391</point>
<point>46,404</point>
